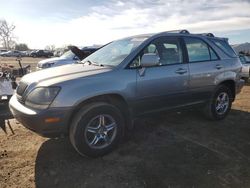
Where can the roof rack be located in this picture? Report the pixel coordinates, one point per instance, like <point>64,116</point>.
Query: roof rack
<point>184,31</point>
<point>207,34</point>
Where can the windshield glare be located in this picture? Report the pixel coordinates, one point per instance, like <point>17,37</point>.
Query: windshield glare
<point>115,52</point>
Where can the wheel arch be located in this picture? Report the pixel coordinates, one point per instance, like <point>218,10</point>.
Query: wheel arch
<point>113,98</point>
<point>231,85</point>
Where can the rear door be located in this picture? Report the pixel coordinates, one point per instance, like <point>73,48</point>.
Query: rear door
<point>163,86</point>
<point>204,66</point>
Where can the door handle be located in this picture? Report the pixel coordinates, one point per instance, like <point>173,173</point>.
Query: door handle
<point>181,71</point>
<point>219,67</point>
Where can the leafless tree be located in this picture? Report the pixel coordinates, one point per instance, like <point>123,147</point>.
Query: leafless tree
<point>6,34</point>
<point>50,47</point>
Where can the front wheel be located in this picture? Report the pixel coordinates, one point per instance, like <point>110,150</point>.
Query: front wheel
<point>96,129</point>
<point>220,104</point>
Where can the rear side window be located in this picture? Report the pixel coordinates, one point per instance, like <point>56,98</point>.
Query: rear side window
<point>224,46</point>
<point>198,50</point>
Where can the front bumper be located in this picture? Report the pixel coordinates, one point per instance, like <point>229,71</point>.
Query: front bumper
<point>35,120</point>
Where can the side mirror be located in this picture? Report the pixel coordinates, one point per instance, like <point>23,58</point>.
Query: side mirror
<point>150,60</point>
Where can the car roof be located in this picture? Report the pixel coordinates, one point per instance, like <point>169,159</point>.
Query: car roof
<point>178,33</point>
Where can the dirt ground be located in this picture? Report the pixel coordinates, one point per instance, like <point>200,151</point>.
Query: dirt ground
<point>170,150</point>
<point>25,61</point>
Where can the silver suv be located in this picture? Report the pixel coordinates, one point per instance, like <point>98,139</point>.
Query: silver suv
<point>96,100</point>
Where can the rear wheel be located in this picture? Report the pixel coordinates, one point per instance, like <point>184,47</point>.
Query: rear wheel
<point>220,104</point>
<point>96,129</point>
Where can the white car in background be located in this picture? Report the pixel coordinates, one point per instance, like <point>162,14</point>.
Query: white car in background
<point>245,73</point>
<point>67,58</point>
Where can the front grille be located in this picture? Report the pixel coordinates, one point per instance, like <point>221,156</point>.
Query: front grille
<point>21,88</point>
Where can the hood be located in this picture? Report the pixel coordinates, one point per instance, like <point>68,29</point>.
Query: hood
<point>63,73</point>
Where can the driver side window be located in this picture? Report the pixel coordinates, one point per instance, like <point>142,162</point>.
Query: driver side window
<point>167,48</point>
<point>151,48</point>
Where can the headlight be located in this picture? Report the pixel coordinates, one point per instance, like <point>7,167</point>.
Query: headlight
<point>41,97</point>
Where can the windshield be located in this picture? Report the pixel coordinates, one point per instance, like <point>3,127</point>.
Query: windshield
<point>115,52</point>
<point>68,55</point>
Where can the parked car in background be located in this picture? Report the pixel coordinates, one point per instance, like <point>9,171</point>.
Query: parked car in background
<point>3,50</point>
<point>94,102</point>
<point>60,52</point>
<point>25,53</point>
<point>68,57</point>
<point>41,53</point>
<point>245,60</point>
<point>57,53</point>
<point>11,53</point>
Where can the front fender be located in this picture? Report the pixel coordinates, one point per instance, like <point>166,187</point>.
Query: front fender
<point>76,91</point>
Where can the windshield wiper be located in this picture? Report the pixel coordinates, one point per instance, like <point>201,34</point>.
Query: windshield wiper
<point>91,63</point>
<point>96,64</point>
<point>106,65</point>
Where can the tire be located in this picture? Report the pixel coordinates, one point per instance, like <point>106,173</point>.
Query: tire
<point>210,110</point>
<point>84,131</point>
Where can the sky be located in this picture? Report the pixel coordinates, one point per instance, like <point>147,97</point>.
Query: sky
<point>86,22</point>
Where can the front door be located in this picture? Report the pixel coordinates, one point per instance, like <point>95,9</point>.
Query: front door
<point>165,85</point>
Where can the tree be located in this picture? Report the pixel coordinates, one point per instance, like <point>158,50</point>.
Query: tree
<point>6,34</point>
<point>21,47</point>
<point>50,47</point>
